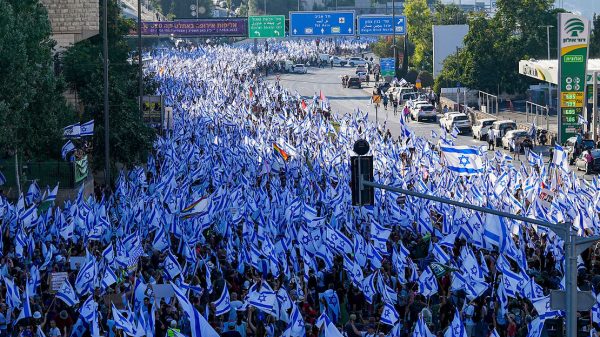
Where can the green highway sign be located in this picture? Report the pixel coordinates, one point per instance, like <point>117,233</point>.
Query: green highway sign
<point>266,26</point>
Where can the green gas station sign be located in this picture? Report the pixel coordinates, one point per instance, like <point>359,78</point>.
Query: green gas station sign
<point>573,42</point>
<point>266,26</point>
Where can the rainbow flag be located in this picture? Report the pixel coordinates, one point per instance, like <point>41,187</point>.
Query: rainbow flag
<point>197,207</point>
<point>281,151</point>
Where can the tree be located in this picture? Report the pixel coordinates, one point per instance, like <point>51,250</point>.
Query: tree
<point>411,75</point>
<point>181,8</point>
<point>418,17</point>
<point>253,7</point>
<point>426,79</point>
<point>33,110</point>
<point>595,38</point>
<point>449,14</point>
<point>130,138</point>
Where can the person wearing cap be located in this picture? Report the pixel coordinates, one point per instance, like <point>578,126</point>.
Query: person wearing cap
<point>172,329</point>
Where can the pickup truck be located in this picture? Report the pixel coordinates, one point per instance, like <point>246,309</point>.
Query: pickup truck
<point>456,119</point>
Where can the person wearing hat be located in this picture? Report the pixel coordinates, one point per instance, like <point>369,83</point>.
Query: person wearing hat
<point>172,329</point>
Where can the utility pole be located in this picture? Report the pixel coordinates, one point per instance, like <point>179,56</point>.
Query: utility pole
<point>547,37</point>
<point>595,107</point>
<point>106,127</point>
<point>394,38</point>
<point>140,62</point>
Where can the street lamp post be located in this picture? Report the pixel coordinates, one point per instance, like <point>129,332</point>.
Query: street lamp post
<point>105,49</point>
<point>140,62</point>
<point>394,38</point>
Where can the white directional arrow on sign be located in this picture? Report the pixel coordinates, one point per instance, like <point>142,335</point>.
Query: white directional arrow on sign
<point>349,30</point>
<point>295,31</point>
<point>322,30</point>
<point>277,33</point>
<point>257,33</point>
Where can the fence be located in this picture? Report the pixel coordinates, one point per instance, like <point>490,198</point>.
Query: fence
<point>46,173</point>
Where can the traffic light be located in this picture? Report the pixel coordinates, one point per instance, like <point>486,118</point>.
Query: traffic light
<point>366,196</point>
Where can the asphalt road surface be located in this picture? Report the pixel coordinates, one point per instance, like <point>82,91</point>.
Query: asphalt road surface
<point>344,100</point>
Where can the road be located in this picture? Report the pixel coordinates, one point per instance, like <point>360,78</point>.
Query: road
<point>343,100</point>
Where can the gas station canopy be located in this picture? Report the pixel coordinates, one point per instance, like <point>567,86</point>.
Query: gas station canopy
<point>547,70</point>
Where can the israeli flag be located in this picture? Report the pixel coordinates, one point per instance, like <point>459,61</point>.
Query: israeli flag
<point>457,328</point>
<point>161,241</point>
<point>67,294</point>
<point>109,278</point>
<point>85,278</point>
<point>87,129</point>
<point>72,131</point>
<point>222,305</point>
<point>13,298</point>
<point>68,147</point>
<point>464,160</point>
<point>26,312</point>
<point>296,327</point>
<point>121,322</point>
<point>199,326</point>
<point>2,179</point>
<point>172,267</point>
<point>389,315</point>
<point>52,194</point>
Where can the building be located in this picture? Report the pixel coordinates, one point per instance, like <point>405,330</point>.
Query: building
<point>72,21</point>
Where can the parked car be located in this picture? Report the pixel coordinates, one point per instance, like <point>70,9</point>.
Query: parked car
<point>338,61</point>
<point>405,97</point>
<point>459,120</point>
<point>357,61</point>
<point>501,128</point>
<point>300,69</point>
<point>361,69</point>
<point>581,163</point>
<point>481,127</point>
<point>354,82</point>
<point>362,76</point>
<point>510,136</point>
<point>569,147</point>
<point>423,111</point>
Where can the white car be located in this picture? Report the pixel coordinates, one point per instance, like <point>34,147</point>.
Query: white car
<point>300,69</point>
<point>338,61</point>
<point>413,104</point>
<point>423,110</point>
<point>481,127</point>
<point>362,76</point>
<point>457,120</point>
<point>510,136</point>
<point>357,61</point>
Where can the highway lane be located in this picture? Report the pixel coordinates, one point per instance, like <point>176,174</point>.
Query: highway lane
<point>344,100</point>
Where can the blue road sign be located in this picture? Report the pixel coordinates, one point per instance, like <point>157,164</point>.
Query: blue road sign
<point>387,66</point>
<point>381,24</point>
<point>322,23</point>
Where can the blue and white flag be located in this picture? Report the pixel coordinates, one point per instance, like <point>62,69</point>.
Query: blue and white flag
<point>296,327</point>
<point>464,160</point>
<point>67,294</point>
<point>428,284</point>
<point>329,329</point>
<point>421,329</point>
<point>121,322</point>
<point>51,197</point>
<point>222,305</point>
<point>72,131</point>
<point>2,179</point>
<point>161,240</point>
<point>68,147</point>
<point>198,324</point>
<point>172,267</point>
<point>33,193</point>
<point>535,327</point>
<point>87,128</point>
<point>332,304</point>
<point>456,328</point>
<point>26,311</point>
<point>389,315</point>
<point>109,278</point>
<point>13,297</point>
<point>84,282</point>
